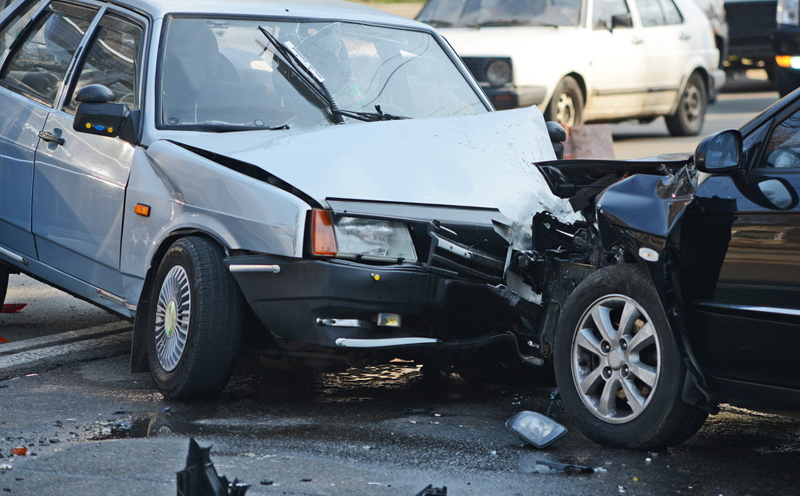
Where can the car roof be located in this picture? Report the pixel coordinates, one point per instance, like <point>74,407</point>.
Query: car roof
<point>310,9</point>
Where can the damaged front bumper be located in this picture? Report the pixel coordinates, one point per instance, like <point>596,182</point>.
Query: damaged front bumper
<point>344,307</point>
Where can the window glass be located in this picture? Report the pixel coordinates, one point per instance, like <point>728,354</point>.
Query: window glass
<point>38,67</point>
<point>605,9</point>
<point>650,12</point>
<point>223,74</point>
<point>113,60</point>
<point>447,13</point>
<point>783,149</point>
<point>17,23</point>
<point>671,13</point>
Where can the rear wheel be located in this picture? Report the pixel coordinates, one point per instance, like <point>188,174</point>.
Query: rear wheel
<point>690,115</point>
<point>566,106</point>
<point>618,368</point>
<point>194,322</point>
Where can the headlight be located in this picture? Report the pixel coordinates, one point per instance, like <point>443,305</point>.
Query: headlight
<point>361,239</point>
<point>498,72</point>
<point>788,11</point>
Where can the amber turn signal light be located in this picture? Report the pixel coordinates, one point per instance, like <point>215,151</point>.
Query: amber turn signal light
<point>142,210</point>
<point>323,238</point>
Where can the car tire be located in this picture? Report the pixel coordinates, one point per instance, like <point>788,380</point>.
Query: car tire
<point>4,273</point>
<point>690,115</point>
<point>566,106</point>
<point>194,324</point>
<point>599,368</point>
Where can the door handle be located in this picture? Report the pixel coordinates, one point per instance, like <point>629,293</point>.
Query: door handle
<point>51,138</point>
<point>637,41</point>
<point>685,36</point>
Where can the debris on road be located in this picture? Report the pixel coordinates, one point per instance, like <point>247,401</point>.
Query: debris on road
<point>20,451</point>
<point>200,478</point>
<point>567,468</point>
<point>419,410</point>
<point>535,428</point>
<point>433,491</point>
<point>13,307</point>
<point>4,340</point>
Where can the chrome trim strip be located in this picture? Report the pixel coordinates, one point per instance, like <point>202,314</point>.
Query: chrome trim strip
<point>746,308</point>
<point>116,299</point>
<point>273,269</point>
<point>345,323</point>
<point>13,256</point>
<point>383,343</point>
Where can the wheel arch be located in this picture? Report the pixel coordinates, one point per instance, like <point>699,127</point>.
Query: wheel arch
<point>138,343</point>
<point>704,75</point>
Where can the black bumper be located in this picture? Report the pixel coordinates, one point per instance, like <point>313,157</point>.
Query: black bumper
<point>333,304</point>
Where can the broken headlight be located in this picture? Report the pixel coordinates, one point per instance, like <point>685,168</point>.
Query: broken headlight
<point>361,238</point>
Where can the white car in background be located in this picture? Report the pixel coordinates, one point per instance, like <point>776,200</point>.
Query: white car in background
<point>588,60</point>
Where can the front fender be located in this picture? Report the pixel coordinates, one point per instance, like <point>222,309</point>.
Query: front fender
<point>186,192</point>
<point>646,212</point>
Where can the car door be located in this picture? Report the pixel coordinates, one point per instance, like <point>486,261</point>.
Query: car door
<point>752,318</point>
<point>22,117</point>
<point>618,61</point>
<point>80,179</point>
<point>668,43</point>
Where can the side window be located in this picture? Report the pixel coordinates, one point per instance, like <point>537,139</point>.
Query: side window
<point>658,12</point>
<point>112,60</point>
<point>38,66</point>
<point>783,148</point>
<point>16,23</point>
<point>605,9</point>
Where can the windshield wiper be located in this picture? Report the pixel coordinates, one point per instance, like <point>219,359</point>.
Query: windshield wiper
<point>309,76</point>
<point>378,115</point>
<point>228,128</point>
<point>438,24</point>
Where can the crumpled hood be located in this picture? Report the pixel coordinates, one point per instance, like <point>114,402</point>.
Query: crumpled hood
<point>477,161</point>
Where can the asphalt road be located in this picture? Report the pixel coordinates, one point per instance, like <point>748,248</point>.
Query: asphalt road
<point>90,427</point>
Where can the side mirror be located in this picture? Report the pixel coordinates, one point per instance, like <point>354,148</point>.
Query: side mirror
<point>557,137</point>
<point>98,114</point>
<point>721,152</point>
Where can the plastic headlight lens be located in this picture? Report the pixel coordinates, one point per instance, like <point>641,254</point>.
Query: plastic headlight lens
<point>788,12</point>
<point>372,239</point>
<point>498,72</point>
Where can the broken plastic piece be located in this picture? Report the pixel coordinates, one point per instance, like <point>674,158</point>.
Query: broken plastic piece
<point>419,410</point>
<point>200,478</point>
<point>13,307</point>
<point>566,467</point>
<point>20,451</point>
<point>433,491</point>
<point>535,428</point>
<point>4,340</point>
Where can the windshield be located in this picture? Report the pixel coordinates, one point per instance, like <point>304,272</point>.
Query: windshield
<point>474,13</point>
<point>224,74</point>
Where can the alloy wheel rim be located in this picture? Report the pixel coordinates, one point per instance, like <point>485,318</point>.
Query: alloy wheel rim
<point>616,359</point>
<point>692,103</point>
<point>173,310</point>
<point>565,110</point>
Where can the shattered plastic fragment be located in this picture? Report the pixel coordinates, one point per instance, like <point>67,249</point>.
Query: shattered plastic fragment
<point>13,307</point>
<point>22,451</point>
<point>566,467</point>
<point>200,478</point>
<point>433,491</point>
<point>5,466</point>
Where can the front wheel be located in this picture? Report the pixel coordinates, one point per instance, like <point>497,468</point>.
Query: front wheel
<point>194,322</point>
<point>566,106</point>
<point>618,368</point>
<point>690,115</point>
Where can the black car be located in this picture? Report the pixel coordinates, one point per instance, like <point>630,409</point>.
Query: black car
<point>688,284</point>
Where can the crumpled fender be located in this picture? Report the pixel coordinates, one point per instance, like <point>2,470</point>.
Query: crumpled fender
<point>645,211</point>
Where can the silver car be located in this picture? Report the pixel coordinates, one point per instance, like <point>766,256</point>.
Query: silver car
<point>321,183</point>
